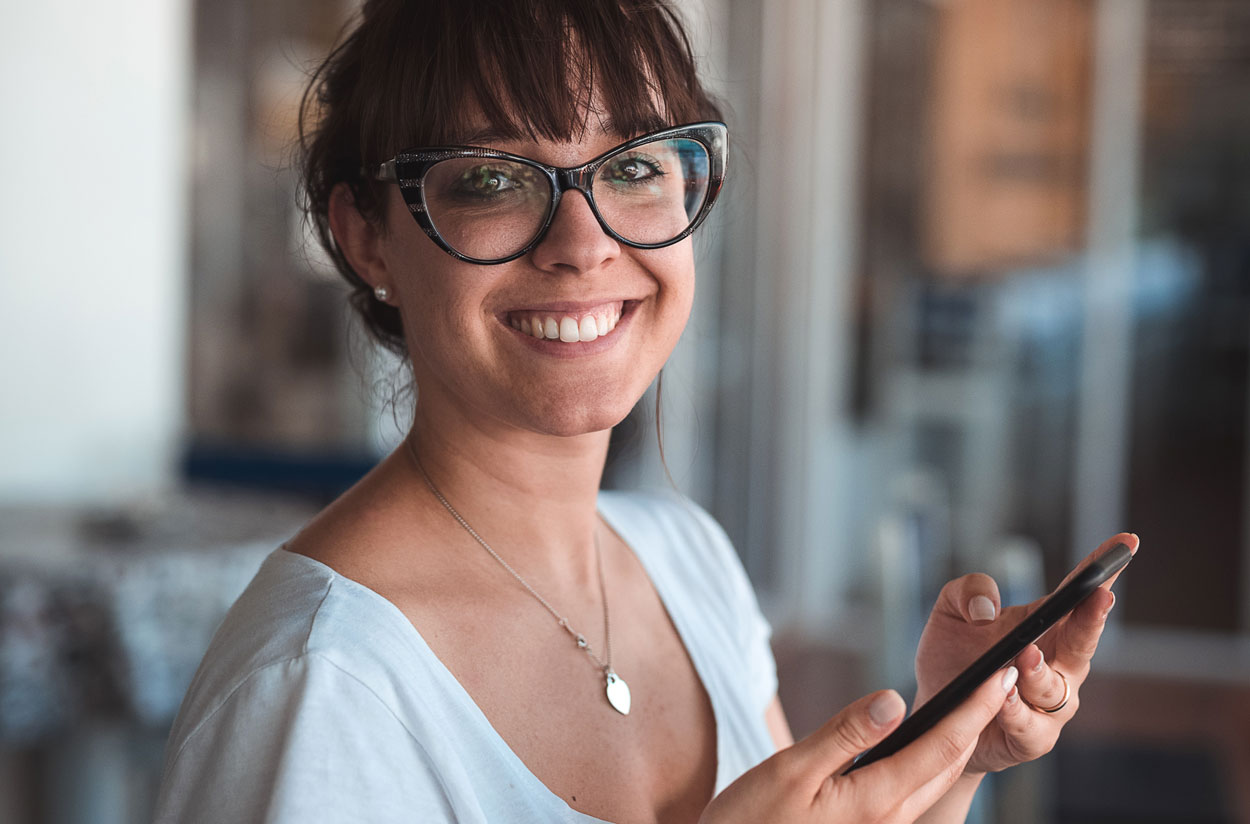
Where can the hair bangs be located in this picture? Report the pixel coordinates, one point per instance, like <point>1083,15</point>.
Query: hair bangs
<point>548,70</point>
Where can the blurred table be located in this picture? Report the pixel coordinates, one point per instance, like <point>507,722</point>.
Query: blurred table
<point>105,613</point>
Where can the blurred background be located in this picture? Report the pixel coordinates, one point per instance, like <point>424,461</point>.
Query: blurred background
<point>978,297</point>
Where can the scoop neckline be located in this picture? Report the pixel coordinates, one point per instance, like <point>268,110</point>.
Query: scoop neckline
<point>462,696</point>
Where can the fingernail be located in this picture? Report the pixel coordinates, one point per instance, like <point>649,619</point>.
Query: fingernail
<point>1011,696</point>
<point>1110,605</point>
<point>886,708</point>
<point>1041,662</point>
<point>981,608</point>
<point>1009,678</point>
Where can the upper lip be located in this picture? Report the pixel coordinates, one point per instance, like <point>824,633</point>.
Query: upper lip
<point>569,306</point>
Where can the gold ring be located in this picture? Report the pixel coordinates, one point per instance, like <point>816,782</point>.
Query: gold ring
<point>1063,702</point>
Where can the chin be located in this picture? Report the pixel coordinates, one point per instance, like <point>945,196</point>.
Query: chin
<point>570,419</point>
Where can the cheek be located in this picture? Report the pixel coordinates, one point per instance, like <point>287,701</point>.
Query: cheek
<point>674,272</point>
<point>437,298</point>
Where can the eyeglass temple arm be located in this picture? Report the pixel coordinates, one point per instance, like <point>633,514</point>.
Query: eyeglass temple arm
<point>386,172</point>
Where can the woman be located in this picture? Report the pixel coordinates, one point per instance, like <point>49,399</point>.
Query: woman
<point>474,632</point>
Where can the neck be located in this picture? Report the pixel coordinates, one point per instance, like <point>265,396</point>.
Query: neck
<point>532,497</point>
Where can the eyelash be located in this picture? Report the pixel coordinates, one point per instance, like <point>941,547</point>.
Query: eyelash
<point>657,170</point>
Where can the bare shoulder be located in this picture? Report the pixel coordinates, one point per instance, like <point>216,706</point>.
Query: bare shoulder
<point>362,534</point>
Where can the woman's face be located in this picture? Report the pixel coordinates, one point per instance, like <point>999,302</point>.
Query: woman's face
<point>461,319</point>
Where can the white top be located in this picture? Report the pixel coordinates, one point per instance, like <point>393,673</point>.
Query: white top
<point>319,701</point>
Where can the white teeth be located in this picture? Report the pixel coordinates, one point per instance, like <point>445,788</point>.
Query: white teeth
<point>568,329</point>
<point>587,330</point>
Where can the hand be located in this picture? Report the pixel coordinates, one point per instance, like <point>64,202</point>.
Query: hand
<point>969,618</point>
<point>804,783</point>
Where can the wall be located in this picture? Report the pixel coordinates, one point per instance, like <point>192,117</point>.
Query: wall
<point>92,269</point>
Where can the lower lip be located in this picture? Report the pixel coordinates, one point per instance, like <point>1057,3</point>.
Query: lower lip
<point>560,349</point>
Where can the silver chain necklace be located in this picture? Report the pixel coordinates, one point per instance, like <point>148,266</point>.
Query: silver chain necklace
<point>617,690</point>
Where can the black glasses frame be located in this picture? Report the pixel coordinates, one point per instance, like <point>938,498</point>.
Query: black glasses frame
<point>408,168</point>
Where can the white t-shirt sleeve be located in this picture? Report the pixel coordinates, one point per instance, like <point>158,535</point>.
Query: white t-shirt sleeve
<point>754,631</point>
<point>301,740</point>
<point>757,641</point>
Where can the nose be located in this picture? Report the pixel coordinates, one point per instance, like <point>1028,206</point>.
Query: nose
<point>575,243</point>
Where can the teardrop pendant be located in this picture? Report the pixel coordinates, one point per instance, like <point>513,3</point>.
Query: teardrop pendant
<point>618,693</point>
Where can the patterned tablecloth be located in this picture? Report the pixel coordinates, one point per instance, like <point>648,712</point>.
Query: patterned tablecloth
<point>107,613</point>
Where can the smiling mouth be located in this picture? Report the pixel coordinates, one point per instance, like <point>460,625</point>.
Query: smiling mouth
<point>569,327</point>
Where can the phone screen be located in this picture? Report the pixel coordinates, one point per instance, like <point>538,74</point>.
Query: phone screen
<point>1032,627</point>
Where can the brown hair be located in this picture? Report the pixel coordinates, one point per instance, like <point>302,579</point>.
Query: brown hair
<point>410,73</point>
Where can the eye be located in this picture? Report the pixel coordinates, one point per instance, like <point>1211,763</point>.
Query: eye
<point>487,180</point>
<point>634,168</point>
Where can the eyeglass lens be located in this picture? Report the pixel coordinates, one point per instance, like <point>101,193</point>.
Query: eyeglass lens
<point>490,208</point>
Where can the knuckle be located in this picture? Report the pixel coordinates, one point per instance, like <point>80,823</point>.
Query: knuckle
<point>952,587</point>
<point>1023,747</point>
<point>950,746</point>
<point>1022,725</point>
<point>837,795</point>
<point>848,738</point>
<point>960,589</point>
<point>1053,691</point>
<point>864,794</point>
<point>1085,645</point>
<point>979,580</point>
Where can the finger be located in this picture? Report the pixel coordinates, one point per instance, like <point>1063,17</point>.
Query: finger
<point>1128,539</point>
<point>830,749</point>
<point>1039,684</point>
<point>912,767</point>
<point>1076,638</point>
<point>1131,540</point>
<point>974,598</point>
<point>1026,733</point>
<point>939,785</point>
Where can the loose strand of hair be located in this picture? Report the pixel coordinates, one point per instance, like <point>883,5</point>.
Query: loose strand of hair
<point>659,428</point>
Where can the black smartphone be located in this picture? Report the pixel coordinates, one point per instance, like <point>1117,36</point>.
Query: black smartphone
<point>1034,625</point>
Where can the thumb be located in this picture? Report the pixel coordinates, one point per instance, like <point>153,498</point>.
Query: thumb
<point>861,725</point>
<point>974,598</point>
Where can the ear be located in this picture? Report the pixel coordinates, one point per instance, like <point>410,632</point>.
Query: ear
<point>357,238</point>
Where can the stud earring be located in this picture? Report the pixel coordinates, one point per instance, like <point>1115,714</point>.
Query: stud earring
<point>381,293</point>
